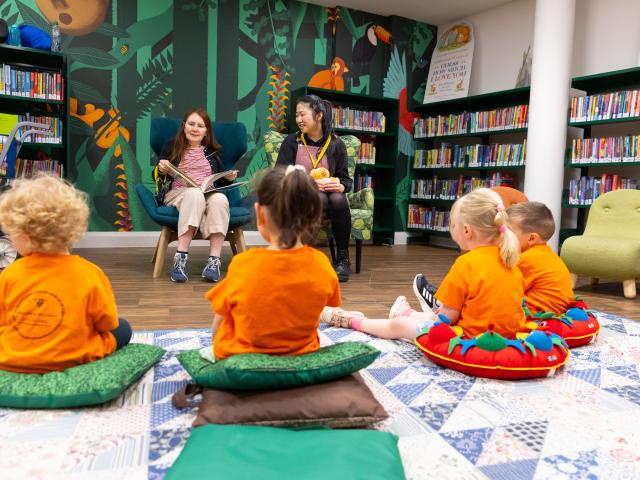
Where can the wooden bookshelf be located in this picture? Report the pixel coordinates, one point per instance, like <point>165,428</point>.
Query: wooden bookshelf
<point>383,171</point>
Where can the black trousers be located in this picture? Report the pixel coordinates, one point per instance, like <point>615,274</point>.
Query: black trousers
<point>336,208</point>
<point>122,333</point>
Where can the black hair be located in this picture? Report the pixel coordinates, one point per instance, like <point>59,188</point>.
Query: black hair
<point>293,202</point>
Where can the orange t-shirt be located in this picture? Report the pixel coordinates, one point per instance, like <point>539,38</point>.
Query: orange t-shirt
<point>271,302</point>
<point>484,291</point>
<point>547,282</point>
<point>56,312</point>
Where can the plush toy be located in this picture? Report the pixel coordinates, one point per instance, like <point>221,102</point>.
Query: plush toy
<point>323,175</point>
<point>577,326</point>
<point>535,354</point>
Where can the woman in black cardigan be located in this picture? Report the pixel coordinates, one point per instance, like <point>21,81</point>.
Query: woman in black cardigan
<point>316,147</point>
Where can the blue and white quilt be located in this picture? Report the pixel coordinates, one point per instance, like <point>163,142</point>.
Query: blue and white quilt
<point>582,423</point>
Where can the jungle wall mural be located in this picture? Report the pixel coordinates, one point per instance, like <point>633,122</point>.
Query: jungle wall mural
<point>133,60</point>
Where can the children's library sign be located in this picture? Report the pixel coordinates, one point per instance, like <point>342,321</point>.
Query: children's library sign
<point>450,67</point>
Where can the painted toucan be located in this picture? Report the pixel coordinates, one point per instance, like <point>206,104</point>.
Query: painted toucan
<point>365,49</point>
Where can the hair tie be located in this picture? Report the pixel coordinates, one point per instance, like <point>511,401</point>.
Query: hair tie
<point>503,228</point>
<point>292,168</point>
<point>500,207</point>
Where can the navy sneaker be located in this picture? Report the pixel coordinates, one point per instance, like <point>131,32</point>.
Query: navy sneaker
<point>211,270</point>
<point>425,292</point>
<point>179,270</point>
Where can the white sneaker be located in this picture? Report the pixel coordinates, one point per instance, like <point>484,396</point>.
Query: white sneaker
<point>337,317</point>
<point>400,308</point>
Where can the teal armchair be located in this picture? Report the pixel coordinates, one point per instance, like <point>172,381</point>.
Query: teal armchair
<point>610,245</point>
<point>360,202</point>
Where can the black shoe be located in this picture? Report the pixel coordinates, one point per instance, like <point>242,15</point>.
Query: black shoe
<point>425,292</point>
<point>342,265</point>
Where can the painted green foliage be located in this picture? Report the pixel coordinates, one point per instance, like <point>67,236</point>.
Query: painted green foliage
<point>121,72</point>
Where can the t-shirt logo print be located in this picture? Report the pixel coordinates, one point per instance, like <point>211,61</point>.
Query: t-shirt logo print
<point>38,315</point>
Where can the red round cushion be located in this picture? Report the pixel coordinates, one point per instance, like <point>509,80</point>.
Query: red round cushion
<point>491,355</point>
<point>577,326</point>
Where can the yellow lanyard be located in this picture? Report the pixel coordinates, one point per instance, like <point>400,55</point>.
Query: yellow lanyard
<point>314,161</point>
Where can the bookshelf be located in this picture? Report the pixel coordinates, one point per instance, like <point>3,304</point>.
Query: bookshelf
<point>33,87</point>
<point>379,151</point>
<point>464,144</point>
<point>606,158</point>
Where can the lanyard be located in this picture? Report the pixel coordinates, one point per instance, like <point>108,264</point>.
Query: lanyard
<point>314,161</point>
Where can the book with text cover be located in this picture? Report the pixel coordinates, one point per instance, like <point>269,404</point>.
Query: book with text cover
<point>208,184</point>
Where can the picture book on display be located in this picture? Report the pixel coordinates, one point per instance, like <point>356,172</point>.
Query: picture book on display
<point>207,184</point>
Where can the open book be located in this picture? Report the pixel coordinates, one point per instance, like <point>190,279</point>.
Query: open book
<point>207,184</point>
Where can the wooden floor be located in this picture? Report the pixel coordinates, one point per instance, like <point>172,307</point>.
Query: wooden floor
<point>386,273</point>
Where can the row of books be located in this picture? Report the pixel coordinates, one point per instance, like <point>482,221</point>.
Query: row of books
<point>605,106</point>
<point>26,168</point>
<point>585,190</point>
<point>506,118</point>
<point>367,153</point>
<point>53,136</point>
<point>346,117</point>
<point>605,150</point>
<point>459,156</point>
<point>362,181</point>
<point>452,188</point>
<point>419,216</point>
<point>30,83</point>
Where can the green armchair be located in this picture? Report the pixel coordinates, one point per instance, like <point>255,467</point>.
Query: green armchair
<point>610,245</point>
<point>360,202</point>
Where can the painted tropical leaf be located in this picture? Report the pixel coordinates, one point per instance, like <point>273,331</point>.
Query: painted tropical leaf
<point>5,11</point>
<point>111,30</point>
<point>318,13</point>
<point>87,93</point>
<point>402,194</point>
<point>31,17</point>
<point>297,11</point>
<point>139,219</point>
<point>77,126</point>
<point>92,57</point>
<point>345,16</point>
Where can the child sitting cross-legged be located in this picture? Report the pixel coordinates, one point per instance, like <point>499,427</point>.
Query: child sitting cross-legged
<point>56,310</point>
<point>482,290</point>
<point>547,281</point>
<point>271,298</point>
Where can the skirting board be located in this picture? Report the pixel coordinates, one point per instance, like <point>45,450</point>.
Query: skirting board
<point>149,239</point>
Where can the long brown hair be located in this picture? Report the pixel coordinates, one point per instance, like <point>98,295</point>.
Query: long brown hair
<point>180,143</point>
<point>293,203</point>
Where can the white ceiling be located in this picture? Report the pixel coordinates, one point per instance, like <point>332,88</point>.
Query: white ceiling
<point>435,12</point>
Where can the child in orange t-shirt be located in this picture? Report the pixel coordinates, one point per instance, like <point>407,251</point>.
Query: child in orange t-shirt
<point>547,281</point>
<point>483,286</point>
<point>271,298</point>
<point>56,310</point>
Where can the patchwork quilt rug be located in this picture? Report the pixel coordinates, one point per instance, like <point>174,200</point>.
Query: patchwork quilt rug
<point>582,423</point>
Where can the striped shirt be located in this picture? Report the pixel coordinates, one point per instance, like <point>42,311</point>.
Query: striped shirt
<point>195,165</point>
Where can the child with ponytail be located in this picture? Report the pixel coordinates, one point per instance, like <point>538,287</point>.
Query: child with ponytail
<point>271,298</point>
<point>483,288</point>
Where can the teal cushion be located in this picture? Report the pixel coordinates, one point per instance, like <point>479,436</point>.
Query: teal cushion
<point>258,371</point>
<point>89,384</point>
<point>268,453</point>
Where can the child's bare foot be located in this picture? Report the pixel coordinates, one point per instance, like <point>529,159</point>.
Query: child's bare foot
<point>337,317</point>
<point>400,308</point>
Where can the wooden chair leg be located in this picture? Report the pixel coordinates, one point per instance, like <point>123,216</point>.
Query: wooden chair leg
<point>332,249</point>
<point>161,251</point>
<point>593,280</point>
<point>241,246</point>
<point>358,255</point>
<point>574,280</point>
<point>231,238</point>
<point>629,287</point>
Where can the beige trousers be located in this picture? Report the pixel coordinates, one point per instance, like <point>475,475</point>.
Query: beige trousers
<point>208,213</point>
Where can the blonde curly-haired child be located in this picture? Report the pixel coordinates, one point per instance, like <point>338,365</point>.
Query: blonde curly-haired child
<point>57,310</point>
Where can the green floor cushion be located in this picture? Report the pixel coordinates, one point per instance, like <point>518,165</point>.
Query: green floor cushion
<point>89,384</point>
<point>343,403</point>
<point>258,371</point>
<point>268,453</point>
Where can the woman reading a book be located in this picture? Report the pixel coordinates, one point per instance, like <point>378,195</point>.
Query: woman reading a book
<point>321,152</point>
<point>193,158</point>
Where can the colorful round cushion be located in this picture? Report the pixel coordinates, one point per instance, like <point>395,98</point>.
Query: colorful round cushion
<point>577,326</point>
<point>535,354</point>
